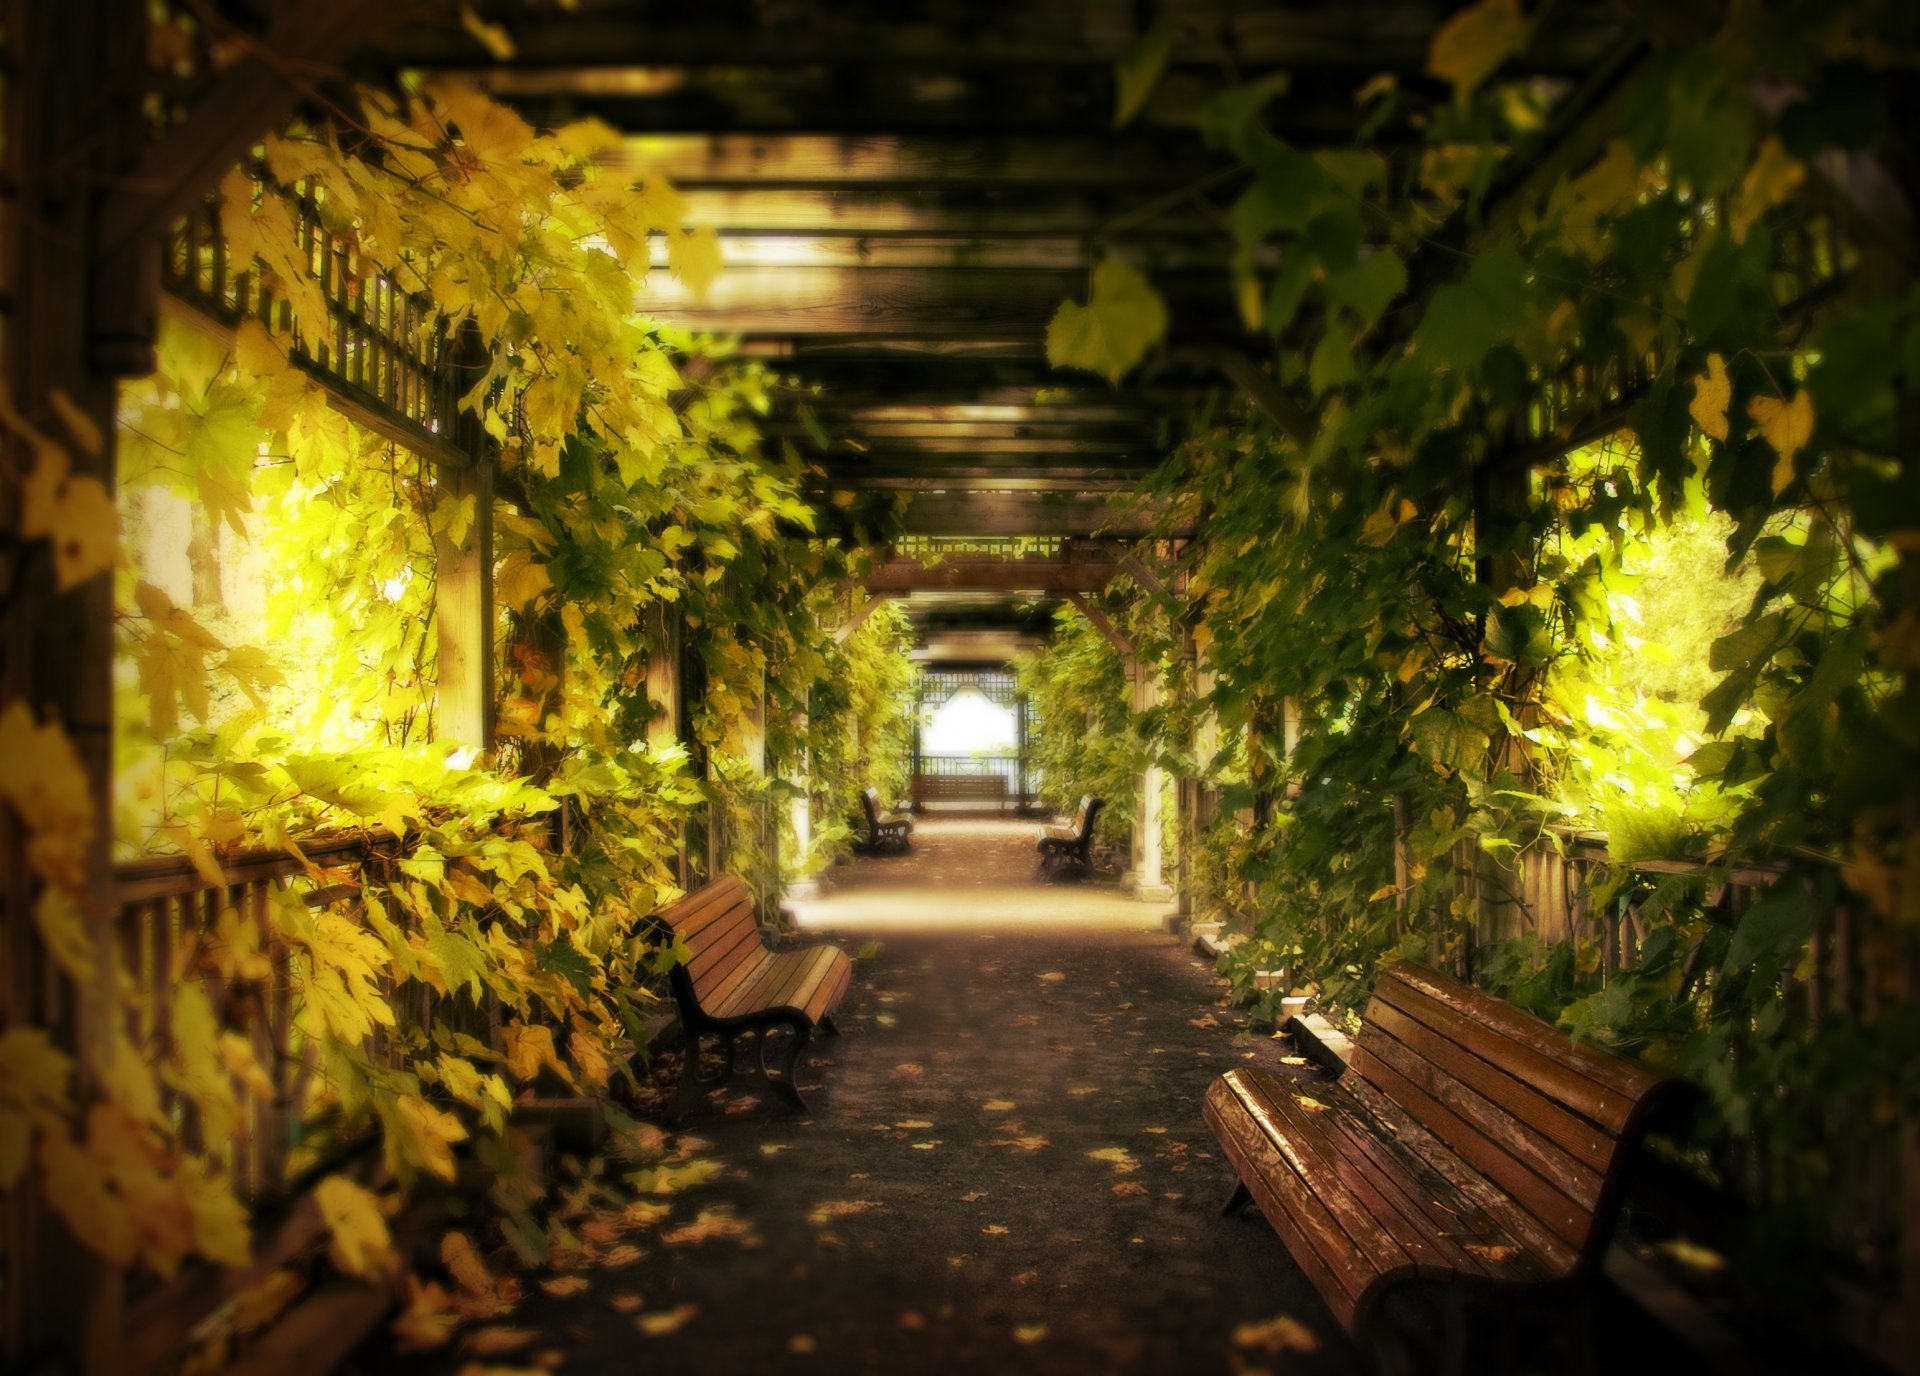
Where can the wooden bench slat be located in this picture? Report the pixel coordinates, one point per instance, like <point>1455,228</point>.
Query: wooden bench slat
<point>754,965</point>
<point>715,922</point>
<point>1567,1130</point>
<point>1567,1173</point>
<point>693,910</point>
<point>1288,1200</point>
<point>1539,1198</point>
<point>1628,1082</point>
<point>717,976</point>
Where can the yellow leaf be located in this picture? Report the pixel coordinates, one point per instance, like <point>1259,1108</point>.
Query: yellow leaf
<point>73,514</point>
<point>1470,46</point>
<point>86,1202</point>
<point>1281,1334</point>
<point>1787,426</point>
<point>1029,1333</point>
<point>693,256</point>
<point>529,1047</point>
<point>65,933</point>
<point>419,1134</point>
<point>1712,394</point>
<point>1772,178</point>
<point>493,37</point>
<point>665,1321</point>
<point>361,1244</point>
<point>997,1105</point>
<point>222,1226</point>
<point>463,1263</point>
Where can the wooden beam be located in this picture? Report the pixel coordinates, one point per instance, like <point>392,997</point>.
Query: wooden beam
<point>1355,40</point>
<point>1023,513</point>
<point>1139,161</point>
<point>271,75</point>
<point>463,612</point>
<point>861,212</point>
<point>845,630</point>
<point>1058,577</point>
<point>1101,623</point>
<point>972,480</point>
<point>911,303</point>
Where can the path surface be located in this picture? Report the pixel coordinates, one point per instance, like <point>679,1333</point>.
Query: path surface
<point>1004,1168</point>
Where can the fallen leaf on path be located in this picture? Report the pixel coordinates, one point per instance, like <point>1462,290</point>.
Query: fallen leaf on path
<point>710,1225</point>
<point>1030,1143</point>
<point>429,1318</point>
<point>774,1148</point>
<point>912,1321</point>
<point>913,1124</point>
<point>628,1302</point>
<point>1119,1157</point>
<point>1207,1020</point>
<point>664,1321</point>
<point>973,1197</point>
<point>623,1255</point>
<point>800,1344</point>
<point>1082,1091</point>
<point>994,1229</point>
<point>1280,1334</point>
<point>1491,1251</point>
<point>998,1106</point>
<point>926,1146</point>
<point>1026,1278</point>
<point>562,1286</point>
<point>1129,1188</point>
<point>909,1069</point>
<point>839,1208</point>
<point>1693,1255</point>
<point>1311,1104</point>
<point>497,1338</point>
<point>1053,977</point>
<point>1030,1333</point>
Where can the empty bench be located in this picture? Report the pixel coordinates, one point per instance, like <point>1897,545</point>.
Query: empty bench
<point>1067,844</point>
<point>961,788</point>
<point>733,986</point>
<point>1467,1142</point>
<point>885,830</point>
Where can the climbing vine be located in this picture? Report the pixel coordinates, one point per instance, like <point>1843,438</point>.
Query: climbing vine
<point>1425,667</point>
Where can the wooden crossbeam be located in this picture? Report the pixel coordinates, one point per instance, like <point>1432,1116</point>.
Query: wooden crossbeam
<point>1137,161</point>
<point>1041,576</point>
<point>1023,513</point>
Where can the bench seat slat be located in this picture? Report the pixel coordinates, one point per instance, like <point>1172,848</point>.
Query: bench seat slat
<point>710,969</point>
<point>703,907</point>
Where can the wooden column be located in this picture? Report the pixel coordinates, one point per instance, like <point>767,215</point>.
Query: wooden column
<point>1148,884</point>
<point>463,611</point>
<point>663,676</point>
<point>68,130</point>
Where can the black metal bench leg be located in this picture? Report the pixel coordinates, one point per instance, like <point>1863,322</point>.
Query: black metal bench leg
<point>783,1084</point>
<point>828,1025</point>
<point>1239,1200</point>
<point>693,1090</point>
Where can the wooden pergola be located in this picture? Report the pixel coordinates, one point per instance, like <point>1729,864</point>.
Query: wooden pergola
<point>905,190</point>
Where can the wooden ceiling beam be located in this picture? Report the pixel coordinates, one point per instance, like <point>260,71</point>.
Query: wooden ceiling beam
<point>1141,162</point>
<point>909,303</point>
<point>1042,576</point>
<point>1076,514</point>
<point>880,210</point>
<point>927,479</point>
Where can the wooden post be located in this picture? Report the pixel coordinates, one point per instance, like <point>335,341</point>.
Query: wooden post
<point>70,124</point>
<point>463,611</point>
<point>1148,884</point>
<point>663,676</point>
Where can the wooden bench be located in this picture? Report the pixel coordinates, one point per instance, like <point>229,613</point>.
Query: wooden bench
<point>1467,1142</point>
<point>885,830</point>
<point>1067,844</point>
<point>733,986</point>
<point>960,788</point>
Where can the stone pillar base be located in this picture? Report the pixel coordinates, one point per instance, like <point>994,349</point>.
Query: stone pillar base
<point>803,890</point>
<point>1151,893</point>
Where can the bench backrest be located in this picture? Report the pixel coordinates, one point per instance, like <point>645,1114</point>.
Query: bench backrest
<point>870,804</point>
<point>718,925</point>
<point>1540,1116</point>
<point>1083,824</point>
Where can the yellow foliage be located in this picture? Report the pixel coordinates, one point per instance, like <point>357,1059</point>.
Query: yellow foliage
<point>362,1246</point>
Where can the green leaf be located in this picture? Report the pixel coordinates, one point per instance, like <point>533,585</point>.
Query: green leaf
<point>1139,70</point>
<point>1369,284</point>
<point>1467,318</point>
<point>1123,319</point>
<point>1778,925</point>
<point>1332,362</point>
<point>1470,46</point>
<point>563,959</point>
<point>1448,741</point>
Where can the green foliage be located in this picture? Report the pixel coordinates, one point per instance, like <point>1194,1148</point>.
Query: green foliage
<point>1081,737</point>
<point>860,732</point>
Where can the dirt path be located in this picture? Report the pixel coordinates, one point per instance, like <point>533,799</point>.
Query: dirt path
<point>1004,1168</point>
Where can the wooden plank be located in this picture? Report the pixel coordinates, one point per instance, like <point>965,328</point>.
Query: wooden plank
<point>1567,1173</point>
<point>1140,161</point>
<point>1624,1078</point>
<point>991,249</point>
<point>911,303</point>
<point>900,576</point>
<point>1024,513</point>
<point>861,212</point>
<point>929,477</point>
<point>1539,1197</point>
<point>1568,1131</point>
<point>1271,1166</point>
